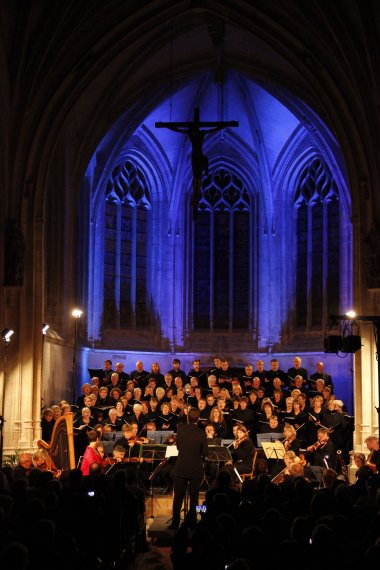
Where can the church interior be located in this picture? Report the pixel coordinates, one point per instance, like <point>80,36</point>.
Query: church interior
<point>198,178</point>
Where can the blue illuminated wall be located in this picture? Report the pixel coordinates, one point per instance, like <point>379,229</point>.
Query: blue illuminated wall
<point>158,280</point>
<point>259,270</point>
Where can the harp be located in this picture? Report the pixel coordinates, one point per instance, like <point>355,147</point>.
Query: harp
<point>61,446</point>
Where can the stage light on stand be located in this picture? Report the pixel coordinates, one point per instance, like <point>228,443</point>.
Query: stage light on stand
<point>350,314</point>
<point>6,336</point>
<point>76,313</point>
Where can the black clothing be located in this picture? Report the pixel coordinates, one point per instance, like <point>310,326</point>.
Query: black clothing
<point>335,421</point>
<point>104,402</point>
<point>325,452</point>
<point>80,401</point>
<point>246,416</point>
<point>295,446</point>
<point>192,449</point>
<point>114,426</point>
<point>293,372</point>
<point>279,374</point>
<point>242,456</point>
<point>224,379</point>
<point>159,378</point>
<point>123,379</point>
<point>178,374</point>
<point>47,429</point>
<point>166,422</point>
<point>325,377</point>
<point>246,381</point>
<point>262,375</point>
<point>200,375</point>
<point>140,379</point>
<point>313,426</point>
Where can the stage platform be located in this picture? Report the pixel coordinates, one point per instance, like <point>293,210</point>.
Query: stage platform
<point>158,518</point>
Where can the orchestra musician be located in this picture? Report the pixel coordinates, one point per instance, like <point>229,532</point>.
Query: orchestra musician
<point>373,459</point>
<point>43,462</point>
<point>322,452</point>
<point>93,454</point>
<point>242,452</point>
<point>291,442</point>
<point>289,459</point>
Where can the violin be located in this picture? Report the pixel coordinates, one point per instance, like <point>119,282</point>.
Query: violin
<point>137,439</point>
<point>317,445</point>
<point>238,441</point>
<point>280,477</point>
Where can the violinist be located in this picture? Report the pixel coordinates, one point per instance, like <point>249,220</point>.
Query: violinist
<point>118,453</point>
<point>322,452</point>
<point>93,454</point>
<point>242,451</point>
<point>284,474</point>
<point>131,442</point>
<point>291,442</point>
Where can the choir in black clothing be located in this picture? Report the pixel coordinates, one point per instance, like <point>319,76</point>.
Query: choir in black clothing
<point>260,401</point>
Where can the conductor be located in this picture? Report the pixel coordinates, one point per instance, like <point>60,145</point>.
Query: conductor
<point>192,447</point>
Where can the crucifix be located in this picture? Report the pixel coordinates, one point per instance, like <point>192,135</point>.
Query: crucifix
<point>196,131</point>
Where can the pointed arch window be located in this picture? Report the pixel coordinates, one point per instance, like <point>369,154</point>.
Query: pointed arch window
<point>222,253</point>
<point>317,224</point>
<point>126,217</point>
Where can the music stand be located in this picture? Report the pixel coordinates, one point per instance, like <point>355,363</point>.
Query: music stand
<point>218,453</point>
<point>152,452</point>
<point>159,436</point>
<point>274,450</point>
<point>268,436</point>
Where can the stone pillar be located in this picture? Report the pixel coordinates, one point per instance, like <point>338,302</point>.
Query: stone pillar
<point>366,396</point>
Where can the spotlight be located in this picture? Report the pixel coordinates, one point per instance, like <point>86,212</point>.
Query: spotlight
<point>6,334</point>
<point>350,314</point>
<point>77,313</point>
<point>45,328</point>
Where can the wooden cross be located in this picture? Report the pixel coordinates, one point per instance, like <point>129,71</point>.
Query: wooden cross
<point>196,131</point>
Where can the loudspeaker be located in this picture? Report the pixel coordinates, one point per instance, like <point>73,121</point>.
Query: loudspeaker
<point>351,343</point>
<point>333,343</point>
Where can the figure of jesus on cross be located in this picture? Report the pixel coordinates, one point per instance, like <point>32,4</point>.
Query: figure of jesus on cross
<point>196,131</point>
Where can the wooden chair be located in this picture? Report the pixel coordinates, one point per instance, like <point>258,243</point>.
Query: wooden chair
<point>249,475</point>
